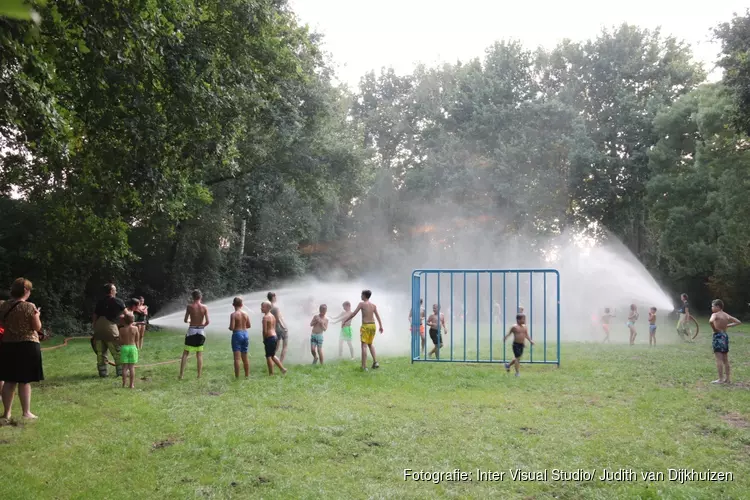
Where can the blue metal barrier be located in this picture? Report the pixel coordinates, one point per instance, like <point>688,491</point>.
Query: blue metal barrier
<point>499,294</point>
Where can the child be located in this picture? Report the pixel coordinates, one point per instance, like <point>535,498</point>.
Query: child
<point>435,336</point>
<point>720,321</point>
<point>197,316</point>
<point>346,329</point>
<point>239,324</point>
<point>269,338</point>
<point>319,325</point>
<point>421,321</point>
<point>141,315</point>
<point>605,323</point>
<point>652,326</point>
<point>520,335</point>
<point>128,348</point>
<point>632,318</point>
<point>367,330</point>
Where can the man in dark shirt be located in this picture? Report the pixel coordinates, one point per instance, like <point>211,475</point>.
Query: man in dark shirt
<point>106,335</point>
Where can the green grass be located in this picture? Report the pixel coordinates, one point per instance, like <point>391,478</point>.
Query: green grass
<point>334,432</point>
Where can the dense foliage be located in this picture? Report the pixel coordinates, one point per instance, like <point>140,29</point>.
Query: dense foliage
<point>170,145</point>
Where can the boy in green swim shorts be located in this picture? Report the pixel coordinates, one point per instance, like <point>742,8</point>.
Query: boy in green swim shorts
<point>319,325</point>
<point>128,349</point>
<point>346,329</point>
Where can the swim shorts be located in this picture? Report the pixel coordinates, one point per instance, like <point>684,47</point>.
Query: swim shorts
<point>720,342</point>
<point>346,332</point>
<point>316,339</point>
<point>281,333</point>
<point>270,345</point>
<point>195,339</point>
<point>367,333</point>
<point>630,324</point>
<point>652,329</point>
<point>128,355</point>
<point>436,337</point>
<point>518,349</point>
<point>240,341</point>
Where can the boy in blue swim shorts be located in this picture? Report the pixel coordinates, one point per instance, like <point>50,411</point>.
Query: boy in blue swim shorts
<point>652,326</point>
<point>319,324</point>
<point>720,321</point>
<point>239,324</point>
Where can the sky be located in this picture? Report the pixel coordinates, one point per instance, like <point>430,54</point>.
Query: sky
<point>366,35</point>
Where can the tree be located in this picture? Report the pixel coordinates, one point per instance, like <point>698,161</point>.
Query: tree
<point>735,60</point>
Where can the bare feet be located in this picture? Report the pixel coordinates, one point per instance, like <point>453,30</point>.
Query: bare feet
<point>283,371</point>
<point>29,416</point>
<point>717,381</point>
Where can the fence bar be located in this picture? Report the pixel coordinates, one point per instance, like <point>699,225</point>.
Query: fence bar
<point>421,279</point>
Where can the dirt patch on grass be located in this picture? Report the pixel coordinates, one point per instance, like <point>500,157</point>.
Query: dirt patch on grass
<point>736,420</point>
<point>163,444</point>
<point>214,393</point>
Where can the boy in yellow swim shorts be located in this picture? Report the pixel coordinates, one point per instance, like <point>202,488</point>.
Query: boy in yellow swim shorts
<point>367,330</point>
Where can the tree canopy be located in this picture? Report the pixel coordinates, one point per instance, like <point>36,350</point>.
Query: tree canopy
<point>171,145</point>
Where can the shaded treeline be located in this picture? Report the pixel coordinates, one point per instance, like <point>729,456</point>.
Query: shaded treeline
<point>170,145</point>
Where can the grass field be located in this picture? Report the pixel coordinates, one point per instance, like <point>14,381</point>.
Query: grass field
<point>334,432</point>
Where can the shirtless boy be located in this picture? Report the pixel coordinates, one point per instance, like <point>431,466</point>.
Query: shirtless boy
<point>197,316</point>
<point>282,332</point>
<point>605,323</point>
<point>652,326</point>
<point>346,329</point>
<point>435,335</point>
<point>128,348</point>
<point>421,321</point>
<point>319,324</point>
<point>720,321</point>
<point>367,330</point>
<point>269,338</point>
<point>520,335</point>
<point>239,324</point>
<point>141,315</point>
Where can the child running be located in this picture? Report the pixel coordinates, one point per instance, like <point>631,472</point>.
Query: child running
<point>239,324</point>
<point>632,318</point>
<point>128,349</point>
<point>197,316</point>
<point>346,329</point>
<point>367,330</point>
<point>720,321</point>
<point>520,335</point>
<point>269,338</point>
<point>433,322</point>
<point>319,325</point>
<point>605,323</point>
<point>652,326</point>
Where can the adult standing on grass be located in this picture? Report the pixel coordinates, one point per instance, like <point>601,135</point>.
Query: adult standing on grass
<point>684,320</point>
<point>106,334</point>
<point>4,295</point>
<point>20,353</point>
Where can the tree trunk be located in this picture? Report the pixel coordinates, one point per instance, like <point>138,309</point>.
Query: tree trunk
<point>243,230</point>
